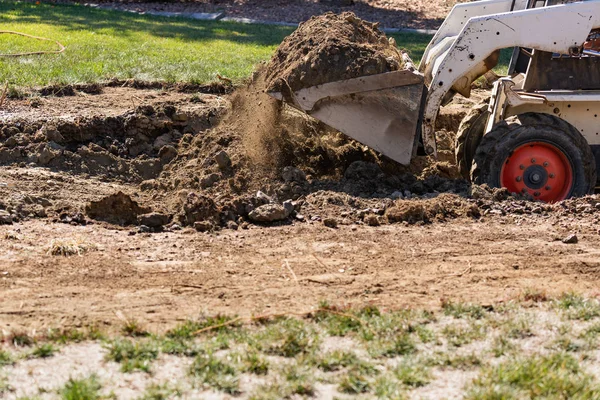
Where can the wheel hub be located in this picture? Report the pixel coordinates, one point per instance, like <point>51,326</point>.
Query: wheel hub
<point>539,169</point>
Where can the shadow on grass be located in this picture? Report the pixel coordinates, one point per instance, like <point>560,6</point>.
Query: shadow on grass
<point>76,18</point>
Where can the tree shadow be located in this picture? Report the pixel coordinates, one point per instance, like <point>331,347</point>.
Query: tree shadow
<point>76,18</point>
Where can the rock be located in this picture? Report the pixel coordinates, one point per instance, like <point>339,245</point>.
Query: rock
<point>293,174</point>
<point>232,225</point>
<point>117,209</point>
<point>330,223</point>
<point>167,154</point>
<point>46,154</point>
<point>288,205</point>
<point>162,140</point>
<point>197,208</point>
<point>222,159</point>
<point>209,180</point>
<point>397,195</point>
<point>153,220</point>
<point>359,170</point>
<point>372,220</point>
<point>5,218</point>
<point>571,239</point>
<point>269,213</point>
<point>203,226</point>
<point>263,197</point>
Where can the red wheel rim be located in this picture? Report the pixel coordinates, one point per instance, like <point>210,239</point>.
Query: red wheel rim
<point>540,169</point>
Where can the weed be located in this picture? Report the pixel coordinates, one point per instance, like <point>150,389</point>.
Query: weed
<point>461,310</point>
<point>402,345</point>
<point>81,389</point>
<point>387,387</point>
<point>335,323</point>
<point>555,376</point>
<point>64,336</point>
<point>20,339</point>
<point>132,355</point>
<point>287,337</point>
<point>412,373</point>
<point>6,358</point>
<point>213,372</point>
<point>354,382</point>
<point>133,328</point>
<point>459,335</point>
<point>502,346</point>
<point>188,329</point>
<point>425,334</point>
<point>43,351</point>
<point>298,381</point>
<point>254,363</point>
<point>159,392</point>
<point>178,347</point>
<point>4,386</point>
<point>70,247</point>
<point>578,307</point>
<point>447,360</point>
<point>565,343</point>
<point>518,329</point>
<point>336,360</point>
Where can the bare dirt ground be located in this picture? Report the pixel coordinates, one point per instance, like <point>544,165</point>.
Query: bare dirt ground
<point>166,274</point>
<point>390,13</point>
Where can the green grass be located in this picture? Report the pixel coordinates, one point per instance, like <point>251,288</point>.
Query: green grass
<point>556,376</point>
<point>44,350</point>
<point>104,44</point>
<point>576,307</point>
<point>132,355</point>
<point>6,358</point>
<point>213,372</point>
<point>81,389</point>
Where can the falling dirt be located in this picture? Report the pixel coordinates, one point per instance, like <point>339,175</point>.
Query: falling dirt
<point>329,48</point>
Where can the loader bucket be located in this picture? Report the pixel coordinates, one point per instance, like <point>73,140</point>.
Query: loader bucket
<point>382,111</point>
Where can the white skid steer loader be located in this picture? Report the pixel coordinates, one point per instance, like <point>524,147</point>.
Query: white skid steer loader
<point>538,134</point>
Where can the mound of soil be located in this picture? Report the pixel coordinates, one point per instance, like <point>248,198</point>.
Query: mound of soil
<point>329,48</point>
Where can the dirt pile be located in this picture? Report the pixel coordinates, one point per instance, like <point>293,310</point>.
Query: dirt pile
<point>329,48</point>
<point>130,146</point>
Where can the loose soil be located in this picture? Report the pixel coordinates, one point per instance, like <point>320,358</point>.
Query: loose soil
<point>330,48</point>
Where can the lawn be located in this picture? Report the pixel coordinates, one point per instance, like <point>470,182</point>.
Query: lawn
<point>104,44</point>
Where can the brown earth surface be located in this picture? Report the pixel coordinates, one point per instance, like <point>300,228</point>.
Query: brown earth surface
<point>390,13</point>
<point>360,232</point>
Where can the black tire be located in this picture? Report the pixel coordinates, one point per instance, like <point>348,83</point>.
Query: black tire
<point>499,144</point>
<point>469,136</point>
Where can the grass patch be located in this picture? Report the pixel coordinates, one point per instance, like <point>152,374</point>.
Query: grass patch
<point>132,328</point>
<point>178,347</point>
<point>215,373</point>
<point>463,310</point>
<point>576,307</point>
<point>502,346</point>
<point>188,329</point>
<point>556,376</point>
<point>81,389</point>
<point>286,337</point>
<point>459,335</point>
<point>354,382</point>
<point>6,358</point>
<point>336,360</point>
<point>412,373</point>
<point>20,339</point>
<point>45,350</point>
<point>159,392</point>
<point>133,356</point>
<point>73,335</point>
<point>455,361</point>
<point>254,363</point>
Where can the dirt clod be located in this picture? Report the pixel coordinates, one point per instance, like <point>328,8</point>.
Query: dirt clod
<point>329,48</point>
<point>269,213</point>
<point>118,208</point>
